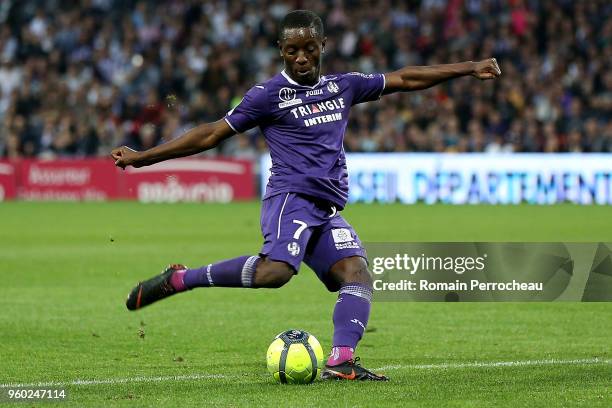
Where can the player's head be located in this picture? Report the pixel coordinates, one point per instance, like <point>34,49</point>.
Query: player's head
<point>301,42</point>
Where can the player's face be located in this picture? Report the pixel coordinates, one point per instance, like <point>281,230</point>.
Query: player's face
<point>301,49</point>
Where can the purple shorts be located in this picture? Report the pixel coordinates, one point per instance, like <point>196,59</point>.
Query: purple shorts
<point>300,228</point>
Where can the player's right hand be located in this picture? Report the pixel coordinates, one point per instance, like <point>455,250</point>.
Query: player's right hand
<point>124,156</point>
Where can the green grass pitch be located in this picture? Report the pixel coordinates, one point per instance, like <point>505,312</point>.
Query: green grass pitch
<point>66,269</point>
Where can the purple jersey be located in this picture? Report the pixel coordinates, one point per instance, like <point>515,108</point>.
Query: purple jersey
<point>304,128</point>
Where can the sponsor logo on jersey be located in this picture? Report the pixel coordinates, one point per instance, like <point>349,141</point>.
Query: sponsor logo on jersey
<point>286,94</point>
<point>289,98</point>
<point>319,107</point>
<point>314,92</point>
<point>317,120</point>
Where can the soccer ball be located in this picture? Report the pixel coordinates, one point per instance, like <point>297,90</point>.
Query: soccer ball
<point>295,357</point>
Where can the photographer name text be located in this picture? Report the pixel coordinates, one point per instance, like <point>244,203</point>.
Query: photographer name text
<point>457,286</point>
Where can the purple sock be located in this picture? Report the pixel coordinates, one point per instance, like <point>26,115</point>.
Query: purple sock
<point>350,320</point>
<point>231,273</point>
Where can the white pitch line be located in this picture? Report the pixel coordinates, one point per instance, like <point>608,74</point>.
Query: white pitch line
<point>485,364</point>
<point>189,377</point>
<point>116,380</point>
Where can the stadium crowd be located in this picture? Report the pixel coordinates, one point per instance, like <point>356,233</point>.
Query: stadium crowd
<point>80,77</point>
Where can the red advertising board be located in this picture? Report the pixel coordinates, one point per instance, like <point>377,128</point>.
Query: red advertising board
<point>205,180</point>
<point>8,185</point>
<point>67,180</point>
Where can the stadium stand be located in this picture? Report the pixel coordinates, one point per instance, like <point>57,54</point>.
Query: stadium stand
<point>78,78</point>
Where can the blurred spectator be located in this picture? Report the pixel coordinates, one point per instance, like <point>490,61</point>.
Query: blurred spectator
<point>79,77</point>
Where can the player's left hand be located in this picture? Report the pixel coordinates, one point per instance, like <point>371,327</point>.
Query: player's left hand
<point>486,69</point>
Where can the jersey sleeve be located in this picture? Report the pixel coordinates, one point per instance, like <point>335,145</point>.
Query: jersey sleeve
<point>250,112</point>
<point>365,87</point>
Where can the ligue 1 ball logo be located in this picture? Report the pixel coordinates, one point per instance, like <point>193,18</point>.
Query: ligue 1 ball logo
<point>343,234</point>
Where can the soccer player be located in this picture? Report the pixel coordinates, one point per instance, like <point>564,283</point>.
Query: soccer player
<point>303,117</point>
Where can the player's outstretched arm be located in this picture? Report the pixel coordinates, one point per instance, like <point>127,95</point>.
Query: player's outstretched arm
<point>196,140</point>
<point>422,77</point>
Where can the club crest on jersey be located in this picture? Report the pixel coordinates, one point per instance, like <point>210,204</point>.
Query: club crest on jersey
<point>333,87</point>
<point>293,248</point>
<point>288,96</point>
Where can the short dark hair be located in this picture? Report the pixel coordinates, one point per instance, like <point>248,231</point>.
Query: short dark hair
<point>301,19</point>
